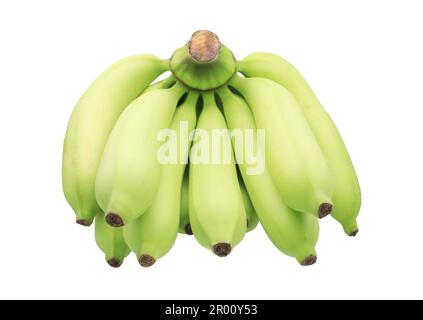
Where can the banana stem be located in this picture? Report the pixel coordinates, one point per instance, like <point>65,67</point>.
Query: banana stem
<point>192,97</point>
<point>208,98</point>
<point>204,46</point>
<point>203,63</point>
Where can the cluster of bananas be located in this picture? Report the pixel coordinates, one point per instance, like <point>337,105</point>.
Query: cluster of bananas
<point>112,173</point>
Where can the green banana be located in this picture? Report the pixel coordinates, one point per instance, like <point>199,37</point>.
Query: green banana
<point>184,225</point>
<point>293,155</point>
<point>132,147</point>
<point>252,219</point>
<point>110,240</point>
<point>264,150</point>
<point>153,234</point>
<point>162,84</point>
<point>216,211</point>
<point>91,123</point>
<point>347,195</point>
<point>293,233</point>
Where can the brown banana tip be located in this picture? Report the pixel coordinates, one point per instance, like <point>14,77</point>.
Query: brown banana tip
<point>83,222</point>
<point>146,260</point>
<point>114,220</point>
<point>324,210</point>
<point>188,229</point>
<point>308,261</point>
<point>222,249</point>
<point>248,223</point>
<point>114,263</point>
<point>354,233</point>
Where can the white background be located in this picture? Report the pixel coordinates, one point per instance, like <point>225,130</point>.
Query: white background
<point>363,58</point>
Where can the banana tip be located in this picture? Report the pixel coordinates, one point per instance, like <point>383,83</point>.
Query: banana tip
<point>353,233</point>
<point>114,220</point>
<point>309,260</point>
<point>114,263</point>
<point>188,229</point>
<point>83,222</point>
<point>324,210</point>
<point>146,260</point>
<point>222,249</point>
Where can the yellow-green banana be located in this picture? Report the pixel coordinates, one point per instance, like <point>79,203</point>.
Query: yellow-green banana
<point>162,84</point>
<point>153,234</point>
<point>132,148</point>
<point>293,156</point>
<point>216,211</point>
<point>252,219</point>
<point>293,233</point>
<point>111,241</point>
<point>91,123</point>
<point>184,225</point>
<point>347,196</point>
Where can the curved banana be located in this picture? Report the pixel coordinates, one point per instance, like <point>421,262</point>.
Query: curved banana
<point>153,234</point>
<point>216,210</point>
<point>294,158</point>
<point>184,224</point>
<point>110,240</point>
<point>91,123</point>
<point>252,219</point>
<point>132,148</point>
<point>347,196</point>
<point>293,233</point>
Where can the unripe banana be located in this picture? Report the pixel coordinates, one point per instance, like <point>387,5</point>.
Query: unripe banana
<point>153,234</point>
<point>111,241</point>
<point>293,156</point>
<point>162,84</point>
<point>293,233</point>
<point>216,210</point>
<point>347,196</point>
<point>129,171</point>
<point>91,123</point>
<point>252,219</point>
<point>184,224</point>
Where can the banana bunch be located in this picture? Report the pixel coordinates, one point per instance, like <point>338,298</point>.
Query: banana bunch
<point>211,150</point>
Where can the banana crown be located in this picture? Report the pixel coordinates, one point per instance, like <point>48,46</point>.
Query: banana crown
<point>204,63</point>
